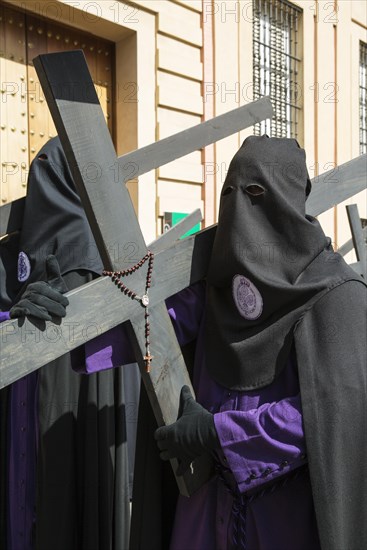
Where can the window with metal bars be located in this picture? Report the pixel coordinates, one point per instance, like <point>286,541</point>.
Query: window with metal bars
<point>362,98</point>
<point>277,65</point>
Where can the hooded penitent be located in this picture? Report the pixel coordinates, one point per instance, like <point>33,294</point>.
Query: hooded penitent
<point>275,282</point>
<point>54,220</point>
<point>82,471</point>
<point>269,261</point>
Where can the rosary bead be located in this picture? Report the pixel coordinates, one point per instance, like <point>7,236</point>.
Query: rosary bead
<point>144,300</point>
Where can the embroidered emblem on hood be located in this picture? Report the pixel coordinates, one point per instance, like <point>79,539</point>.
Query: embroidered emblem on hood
<point>24,267</point>
<point>247,298</point>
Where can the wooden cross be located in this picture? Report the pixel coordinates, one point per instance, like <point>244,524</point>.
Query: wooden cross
<point>80,123</point>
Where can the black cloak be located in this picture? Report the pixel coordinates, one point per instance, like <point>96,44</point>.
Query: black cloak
<point>274,283</point>
<point>294,292</point>
<point>82,468</point>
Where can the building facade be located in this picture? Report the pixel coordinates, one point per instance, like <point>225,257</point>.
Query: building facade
<point>161,66</point>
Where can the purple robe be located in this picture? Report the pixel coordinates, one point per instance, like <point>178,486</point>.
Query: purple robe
<point>262,441</point>
<point>22,424</point>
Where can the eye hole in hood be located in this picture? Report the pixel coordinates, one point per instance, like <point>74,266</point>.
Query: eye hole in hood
<point>227,190</point>
<point>255,190</point>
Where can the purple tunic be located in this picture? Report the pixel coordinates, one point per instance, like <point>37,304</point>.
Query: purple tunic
<point>22,424</point>
<point>262,440</point>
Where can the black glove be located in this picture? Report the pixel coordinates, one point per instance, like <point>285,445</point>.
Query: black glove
<point>44,299</point>
<point>190,436</point>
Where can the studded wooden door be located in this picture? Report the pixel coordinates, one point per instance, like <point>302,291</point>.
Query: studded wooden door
<point>25,122</point>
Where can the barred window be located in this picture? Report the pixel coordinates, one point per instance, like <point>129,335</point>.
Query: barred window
<point>277,65</point>
<point>362,98</point>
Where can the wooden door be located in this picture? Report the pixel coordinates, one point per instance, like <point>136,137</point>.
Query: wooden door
<point>25,122</point>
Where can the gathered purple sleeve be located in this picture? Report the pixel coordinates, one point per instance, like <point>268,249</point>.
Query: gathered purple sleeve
<point>113,348</point>
<point>4,316</point>
<point>263,443</point>
<point>110,350</point>
<point>186,310</point>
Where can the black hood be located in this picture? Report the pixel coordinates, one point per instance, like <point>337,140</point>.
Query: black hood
<point>269,260</point>
<point>54,222</point>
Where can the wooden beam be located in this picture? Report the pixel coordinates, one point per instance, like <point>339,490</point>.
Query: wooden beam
<point>348,246</point>
<point>358,238</point>
<point>173,147</point>
<point>337,185</point>
<point>176,232</point>
<point>97,307</point>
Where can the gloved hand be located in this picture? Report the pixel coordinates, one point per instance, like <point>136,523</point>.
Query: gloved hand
<point>190,436</point>
<point>44,299</point>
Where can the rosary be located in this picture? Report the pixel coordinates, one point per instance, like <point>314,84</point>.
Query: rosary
<point>144,300</point>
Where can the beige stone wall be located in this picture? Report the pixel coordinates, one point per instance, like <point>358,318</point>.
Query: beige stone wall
<point>158,88</point>
<point>163,49</point>
<point>330,92</point>
<point>179,103</point>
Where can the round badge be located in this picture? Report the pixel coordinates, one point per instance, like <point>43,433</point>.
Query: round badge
<point>247,298</point>
<point>24,267</point>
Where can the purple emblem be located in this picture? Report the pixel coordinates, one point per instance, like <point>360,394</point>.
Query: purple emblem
<point>24,267</point>
<point>247,298</point>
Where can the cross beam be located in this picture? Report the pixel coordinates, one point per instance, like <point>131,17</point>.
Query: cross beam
<point>337,185</point>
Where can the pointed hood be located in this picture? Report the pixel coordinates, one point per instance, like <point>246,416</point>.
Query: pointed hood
<point>269,261</point>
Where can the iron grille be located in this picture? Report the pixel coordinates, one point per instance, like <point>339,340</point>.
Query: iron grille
<point>277,64</point>
<point>362,98</point>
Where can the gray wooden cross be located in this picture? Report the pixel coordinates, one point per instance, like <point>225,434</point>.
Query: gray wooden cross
<point>79,121</point>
